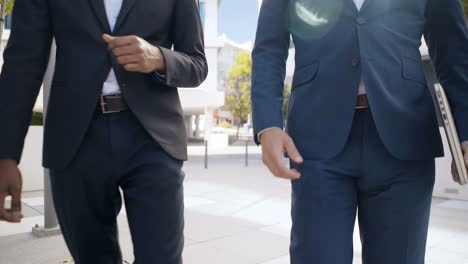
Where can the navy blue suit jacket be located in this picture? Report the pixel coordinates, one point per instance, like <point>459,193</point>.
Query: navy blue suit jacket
<point>337,45</point>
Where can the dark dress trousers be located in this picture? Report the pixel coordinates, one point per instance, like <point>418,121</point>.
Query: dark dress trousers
<point>377,163</point>
<point>119,156</point>
<point>94,157</point>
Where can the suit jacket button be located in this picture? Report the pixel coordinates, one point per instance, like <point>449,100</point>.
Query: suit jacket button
<point>361,20</point>
<point>355,63</point>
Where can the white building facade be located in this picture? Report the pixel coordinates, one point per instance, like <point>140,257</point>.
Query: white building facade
<point>199,103</point>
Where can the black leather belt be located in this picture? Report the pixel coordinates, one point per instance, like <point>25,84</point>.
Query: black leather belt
<point>112,103</point>
<point>362,101</point>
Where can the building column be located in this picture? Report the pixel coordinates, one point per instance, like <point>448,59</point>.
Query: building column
<point>197,126</point>
<point>188,126</point>
<point>208,122</point>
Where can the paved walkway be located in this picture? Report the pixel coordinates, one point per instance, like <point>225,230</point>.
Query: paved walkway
<point>234,215</point>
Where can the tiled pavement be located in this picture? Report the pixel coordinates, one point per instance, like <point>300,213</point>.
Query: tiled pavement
<point>235,215</point>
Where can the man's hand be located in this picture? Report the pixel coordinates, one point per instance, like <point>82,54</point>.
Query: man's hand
<point>274,143</point>
<point>465,153</point>
<point>10,185</point>
<point>136,54</point>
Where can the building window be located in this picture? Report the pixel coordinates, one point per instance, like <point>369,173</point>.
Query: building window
<point>202,12</point>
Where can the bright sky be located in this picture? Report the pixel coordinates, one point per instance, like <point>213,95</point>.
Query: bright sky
<point>238,19</point>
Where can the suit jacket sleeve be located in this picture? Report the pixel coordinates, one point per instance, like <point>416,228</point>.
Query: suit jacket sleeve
<point>186,65</point>
<point>446,34</point>
<point>269,65</point>
<point>25,62</point>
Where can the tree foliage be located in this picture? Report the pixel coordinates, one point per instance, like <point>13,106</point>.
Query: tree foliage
<point>238,91</point>
<point>8,6</point>
<point>465,6</point>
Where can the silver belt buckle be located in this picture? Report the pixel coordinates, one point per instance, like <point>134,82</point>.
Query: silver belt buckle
<point>103,103</point>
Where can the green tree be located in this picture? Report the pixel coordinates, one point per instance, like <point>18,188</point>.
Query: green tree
<point>238,100</point>
<point>465,6</point>
<point>6,6</point>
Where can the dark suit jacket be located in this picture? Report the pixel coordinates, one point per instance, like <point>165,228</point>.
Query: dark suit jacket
<point>337,45</point>
<point>83,63</point>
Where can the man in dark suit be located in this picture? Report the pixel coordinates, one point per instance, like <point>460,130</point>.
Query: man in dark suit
<point>114,120</point>
<point>362,132</point>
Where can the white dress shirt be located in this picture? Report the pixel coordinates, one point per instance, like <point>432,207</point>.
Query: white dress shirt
<point>362,87</point>
<point>359,3</point>
<point>111,86</point>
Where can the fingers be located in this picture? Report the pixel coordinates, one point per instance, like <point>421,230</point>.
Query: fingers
<point>115,42</point>
<point>279,169</point>
<point>12,215</point>
<point>129,53</point>
<point>132,67</point>
<point>107,38</point>
<point>292,151</point>
<point>15,191</point>
<point>3,212</point>
<point>465,151</point>
<point>16,198</point>
<point>128,59</point>
<point>283,171</point>
<point>273,157</point>
<point>123,51</point>
<point>454,172</point>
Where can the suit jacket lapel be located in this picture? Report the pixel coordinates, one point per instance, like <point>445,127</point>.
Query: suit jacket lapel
<point>365,5</point>
<point>353,6</point>
<point>127,5</point>
<point>100,13</point>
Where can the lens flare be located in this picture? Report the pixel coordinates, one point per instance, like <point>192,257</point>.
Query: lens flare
<point>309,17</point>
<point>313,19</point>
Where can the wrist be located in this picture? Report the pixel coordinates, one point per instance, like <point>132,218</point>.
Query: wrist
<point>269,131</point>
<point>159,64</point>
<point>8,162</point>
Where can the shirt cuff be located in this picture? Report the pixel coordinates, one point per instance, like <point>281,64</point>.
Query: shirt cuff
<point>259,135</point>
<point>159,77</point>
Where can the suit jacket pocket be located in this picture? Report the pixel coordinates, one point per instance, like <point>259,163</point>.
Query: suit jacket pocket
<point>305,74</point>
<point>413,70</point>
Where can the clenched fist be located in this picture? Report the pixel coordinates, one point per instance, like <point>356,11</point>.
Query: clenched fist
<point>136,54</point>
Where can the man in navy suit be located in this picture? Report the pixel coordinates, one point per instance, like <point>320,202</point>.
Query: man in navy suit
<point>362,131</point>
